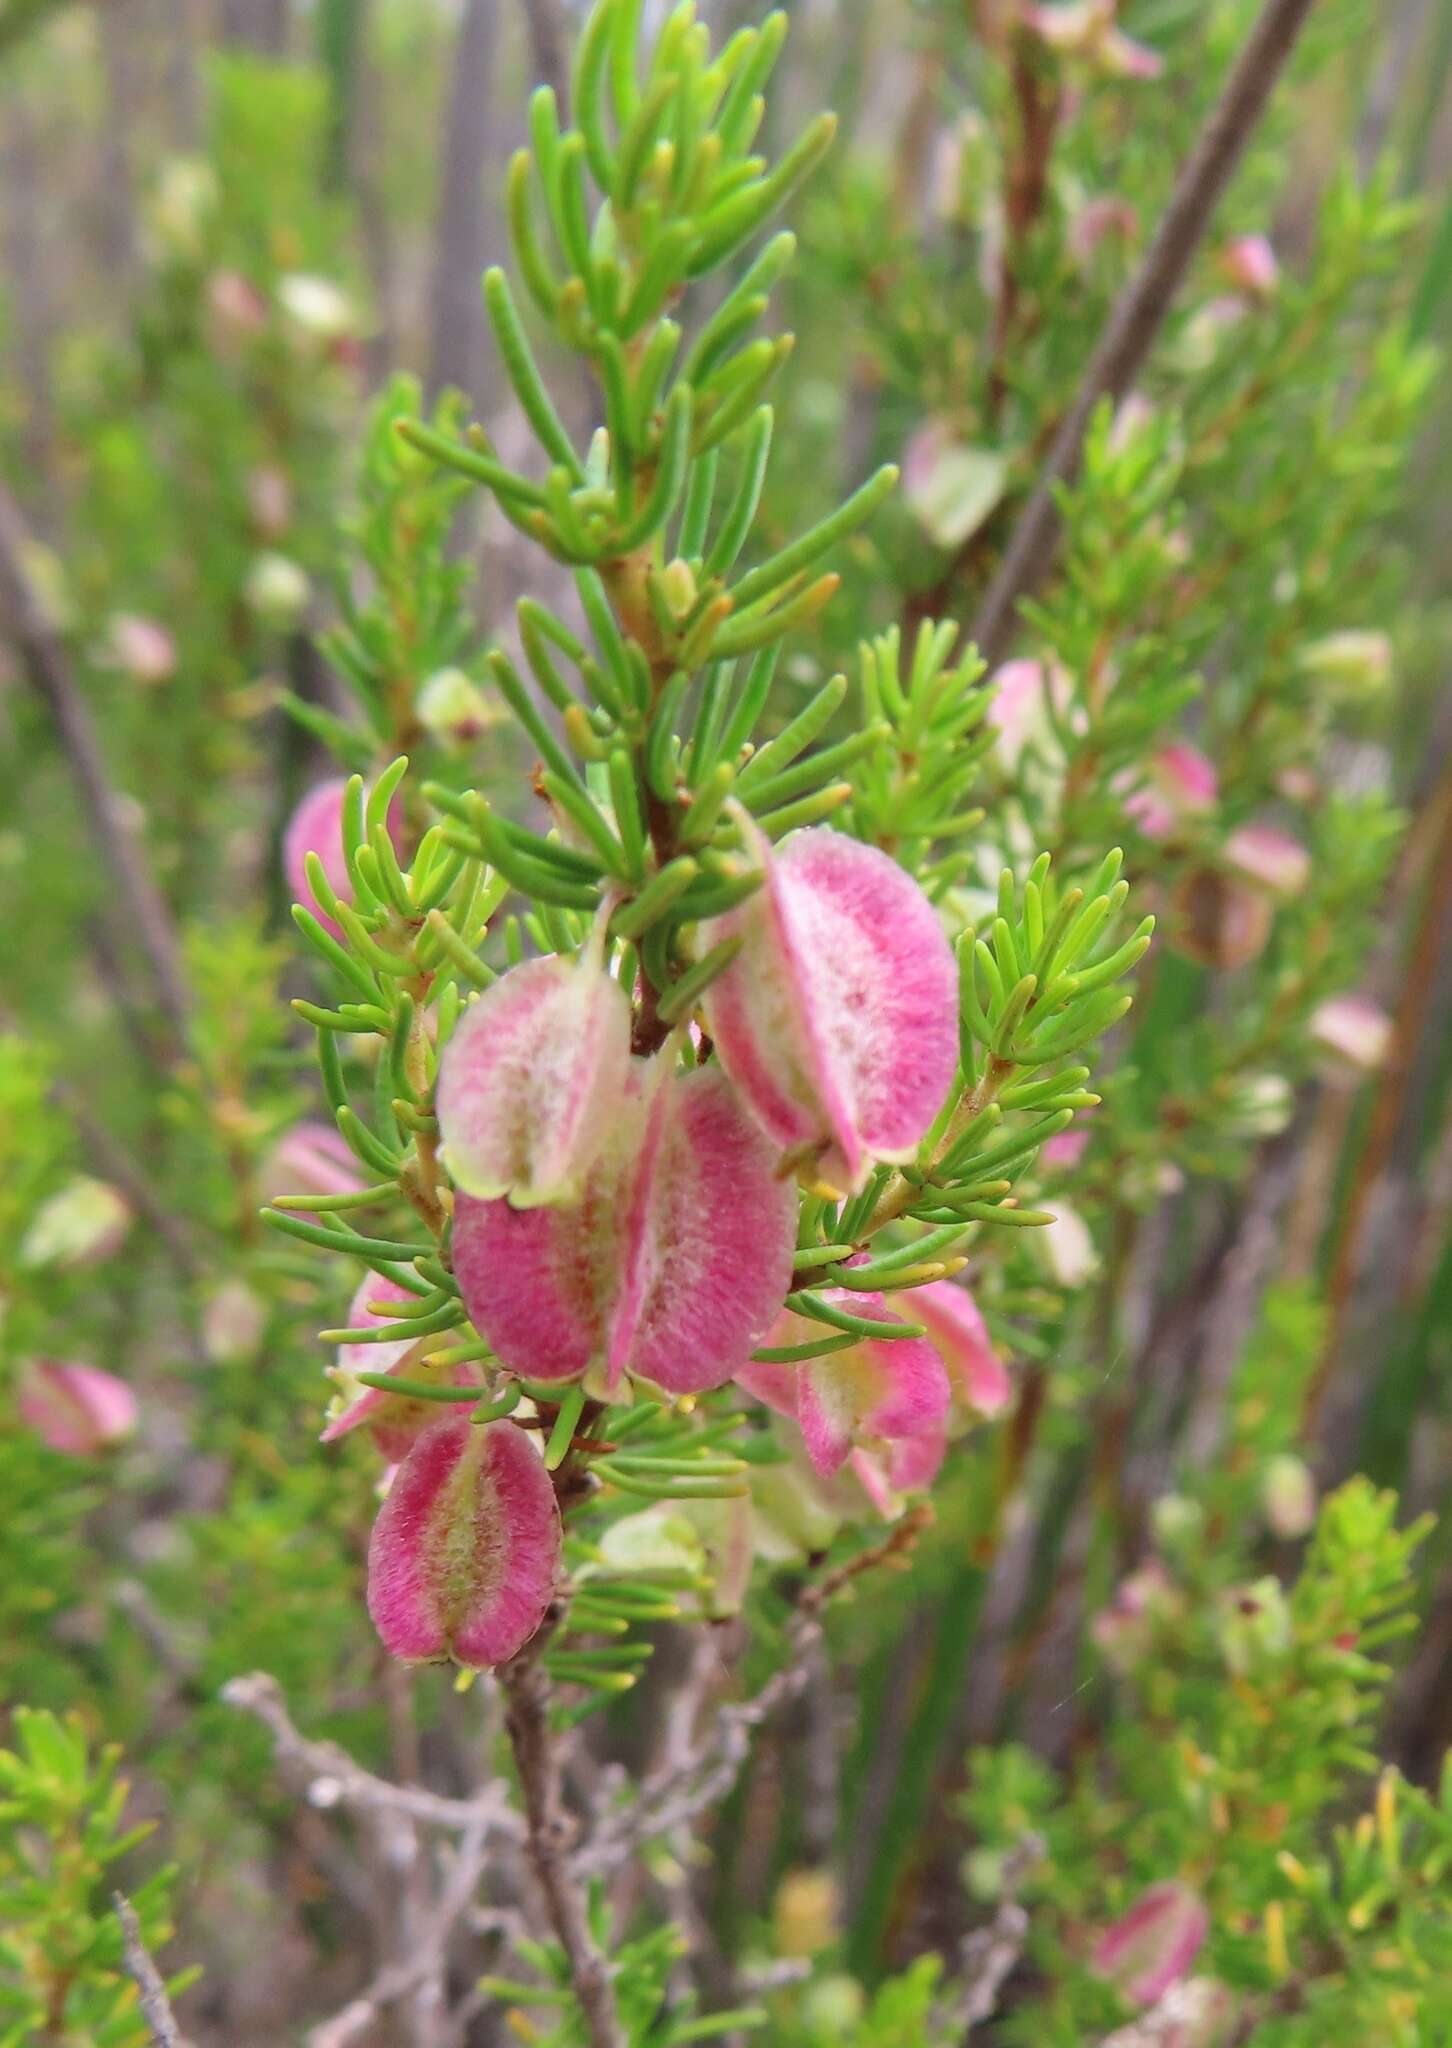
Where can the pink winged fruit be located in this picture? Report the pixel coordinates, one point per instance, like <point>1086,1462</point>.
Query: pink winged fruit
<point>838,1017</point>
<point>465,1552</point>
<point>670,1264</point>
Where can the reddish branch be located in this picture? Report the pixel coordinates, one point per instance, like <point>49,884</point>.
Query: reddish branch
<point>1036,100</point>
<point>1135,320</point>
<point>1414,1006</point>
<point>550,1828</point>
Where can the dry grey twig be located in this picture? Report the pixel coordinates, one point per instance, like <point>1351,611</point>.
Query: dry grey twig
<point>154,2002</point>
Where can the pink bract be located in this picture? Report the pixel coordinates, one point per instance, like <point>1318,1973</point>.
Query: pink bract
<point>316,826</point>
<point>1098,219</point>
<point>531,1079</point>
<point>394,1420</point>
<point>465,1552</point>
<point>1249,261</point>
<point>1065,1149</point>
<point>312,1159</point>
<point>881,1388</point>
<point>1355,1031</point>
<point>838,1018</point>
<point>1181,784</point>
<point>1152,1946</point>
<point>76,1409</point>
<point>1269,858</point>
<point>1016,708</point>
<point>669,1266</point>
<point>144,649</point>
<point>977,1375</point>
<point>888,1472</point>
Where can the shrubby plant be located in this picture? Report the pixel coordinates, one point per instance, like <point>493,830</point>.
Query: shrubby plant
<point>789,1070</point>
<point>710,1105</point>
<point>64,1969</point>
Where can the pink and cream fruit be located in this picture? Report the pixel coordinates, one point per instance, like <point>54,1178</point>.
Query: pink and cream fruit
<point>1355,1032</point>
<point>978,1381</point>
<point>532,1079</point>
<point>1250,263</point>
<point>1224,917</point>
<point>1269,859</point>
<point>393,1420</point>
<point>888,1472</point>
<point>1180,784</point>
<point>1152,1945</point>
<point>884,1409</point>
<point>670,1264</point>
<point>465,1552</point>
<point>837,1019</point>
<point>312,1159</point>
<point>1027,697</point>
<point>870,1393</point>
<point>1088,30</point>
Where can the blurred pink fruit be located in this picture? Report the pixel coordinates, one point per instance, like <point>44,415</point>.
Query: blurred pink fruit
<point>76,1409</point>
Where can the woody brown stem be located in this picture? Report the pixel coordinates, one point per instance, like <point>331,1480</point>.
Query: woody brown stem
<point>1036,101</point>
<point>550,1829</point>
<point>1413,1008</point>
<point>550,1837</point>
<point>625,582</point>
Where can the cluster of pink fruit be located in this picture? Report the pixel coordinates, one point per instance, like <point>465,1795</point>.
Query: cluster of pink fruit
<point>620,1217</point>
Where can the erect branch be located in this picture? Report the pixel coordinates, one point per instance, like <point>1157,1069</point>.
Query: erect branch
<point>1415,1008</point>
<point>1135,320</point>
<point>549,1838</point>
<point>462,248</point>
<point>155,2005</point>
<point>24,615</point>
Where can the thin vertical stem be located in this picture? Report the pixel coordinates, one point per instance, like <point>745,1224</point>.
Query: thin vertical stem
<point>458,321</point>
<point>49,670</point>
<point>1135,320</point>
<point>550,1838</point>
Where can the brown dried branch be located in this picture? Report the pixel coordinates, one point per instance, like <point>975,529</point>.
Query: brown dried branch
<point>1135,320</point>
<point>1037,102</point>
<point>550,1836</point>
<point>420,1921</point>
<point>461,251</point>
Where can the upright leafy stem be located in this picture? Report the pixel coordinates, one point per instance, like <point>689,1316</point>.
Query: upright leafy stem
<point>582,1123</point>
